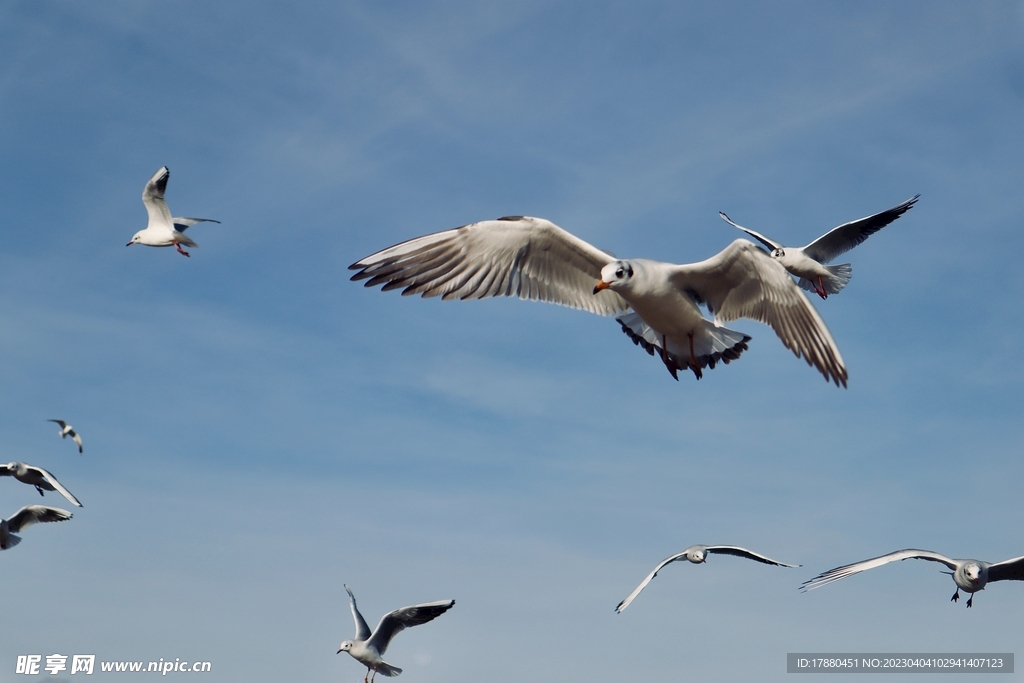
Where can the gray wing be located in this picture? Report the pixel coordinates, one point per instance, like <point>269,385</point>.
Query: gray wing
<point>531,258</point>
<point>858,567</point>
<point>153,197</point>
<point>400,619</point>
<point>181,223</point>
<point>771,244</point>
<point>643,584</point>
<point>848,235</point>
<point>749,554</point>
<point>30,514</point>
<point>362,630</point>
<point>1007,570</point>
<point>56,485</point>
<point>742,281</point>
<point>60,422</point>
<point>76,438</point>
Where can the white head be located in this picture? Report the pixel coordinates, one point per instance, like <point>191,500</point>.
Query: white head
<point>697,554</point>
<point>778,253</point>
<point>345,646</point>
<point>135,239</point>
<point>616,275</point>
<point>972,570</point>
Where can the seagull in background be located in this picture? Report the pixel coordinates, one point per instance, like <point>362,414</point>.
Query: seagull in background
<point>162,230</point>
<point>368,648</point>
<point>66,431</point>
<point>657,303</point>
<point>970,576</point>
<point>26,517</point>
<point>698,554</point>
<point>38,477</point>
<point>808,263</point>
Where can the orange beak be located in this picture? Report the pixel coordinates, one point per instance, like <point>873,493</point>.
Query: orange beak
<point>601,284</point>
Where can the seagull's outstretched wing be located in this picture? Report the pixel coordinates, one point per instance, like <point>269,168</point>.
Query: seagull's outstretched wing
<point>749,554</point>
<point>400,619</point>
<point>531,258</point>
<point>362,630</point>
<point>61,423</point>
<point>643,584</point>
<point>153,197</point>
<point>182,223</point>
<point>55,484</point>
<point>76,438</point>
<point>742,281</point>
<point>858,567</point>
<point>771,244</point>
<point>848,235</point>
<point>1007,570</point>
<point>30,514</point>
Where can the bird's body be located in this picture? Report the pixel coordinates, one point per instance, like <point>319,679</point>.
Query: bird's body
<point>698,554</point>
<point>970,576</point>
<point>809,263</point>
<point>66,430</point>
<point>163,230</point>
<point>26,517</point>
<point>38,477</point>
<point>657,303</point>
<point>368,647</point>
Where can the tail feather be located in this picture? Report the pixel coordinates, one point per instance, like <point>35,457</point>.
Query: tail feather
<point>717,344</point>
<point>387,670</point>
<point>838,277</point>
<point>12,541</point>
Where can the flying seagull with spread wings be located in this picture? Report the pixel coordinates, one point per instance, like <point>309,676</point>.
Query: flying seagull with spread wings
<point>698,554</point>
<point>808,263</point>
<point>162,230</point>
<point>38,477</point>
<point>66,430</point>
<point>368,648</point>
<point>26,517</point>
<point>656,303</point>
<point>970,576</point>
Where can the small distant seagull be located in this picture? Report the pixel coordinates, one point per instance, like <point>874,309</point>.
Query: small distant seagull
<point>164,231</point>
<point>38,477</point>
<point>368,648</point>
<point>26,517</point>
<point>66,430</point>
<point>969,575</point>
<point>807,263</point>
<point>656,303</point>
<point>698,554</point>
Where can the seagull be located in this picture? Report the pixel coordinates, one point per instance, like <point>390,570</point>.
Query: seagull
<point>656,303</point>
<point>698,554</point>
<point>807,263</point>
<point>26,517</point>
<point>66,430</point>
<point>164,231</point>
<point>38,477</point>
<point>969,575</point>
<point>368,648</point>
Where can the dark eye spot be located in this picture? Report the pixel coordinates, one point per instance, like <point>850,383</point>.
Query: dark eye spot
<point>619,272</point>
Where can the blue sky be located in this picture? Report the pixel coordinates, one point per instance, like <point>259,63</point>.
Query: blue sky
<point>259,430</point>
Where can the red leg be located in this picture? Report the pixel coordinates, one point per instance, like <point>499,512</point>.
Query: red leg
<point>694,363</point>
<point>820,289</point>
<point>180,250</point>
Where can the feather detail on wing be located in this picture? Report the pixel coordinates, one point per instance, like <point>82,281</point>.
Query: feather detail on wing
<point>742,281</point>
<point>749,554</point>
<point>643,584</point>
<point>153,197</point>
<point>31,514</point>
<point>531,258</point>
<point>771,244</point>
<point>1007,570</point>
<point>858,567</point>
<point>841,239</point>
<point>362,628</point>
<point>397,621</point>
